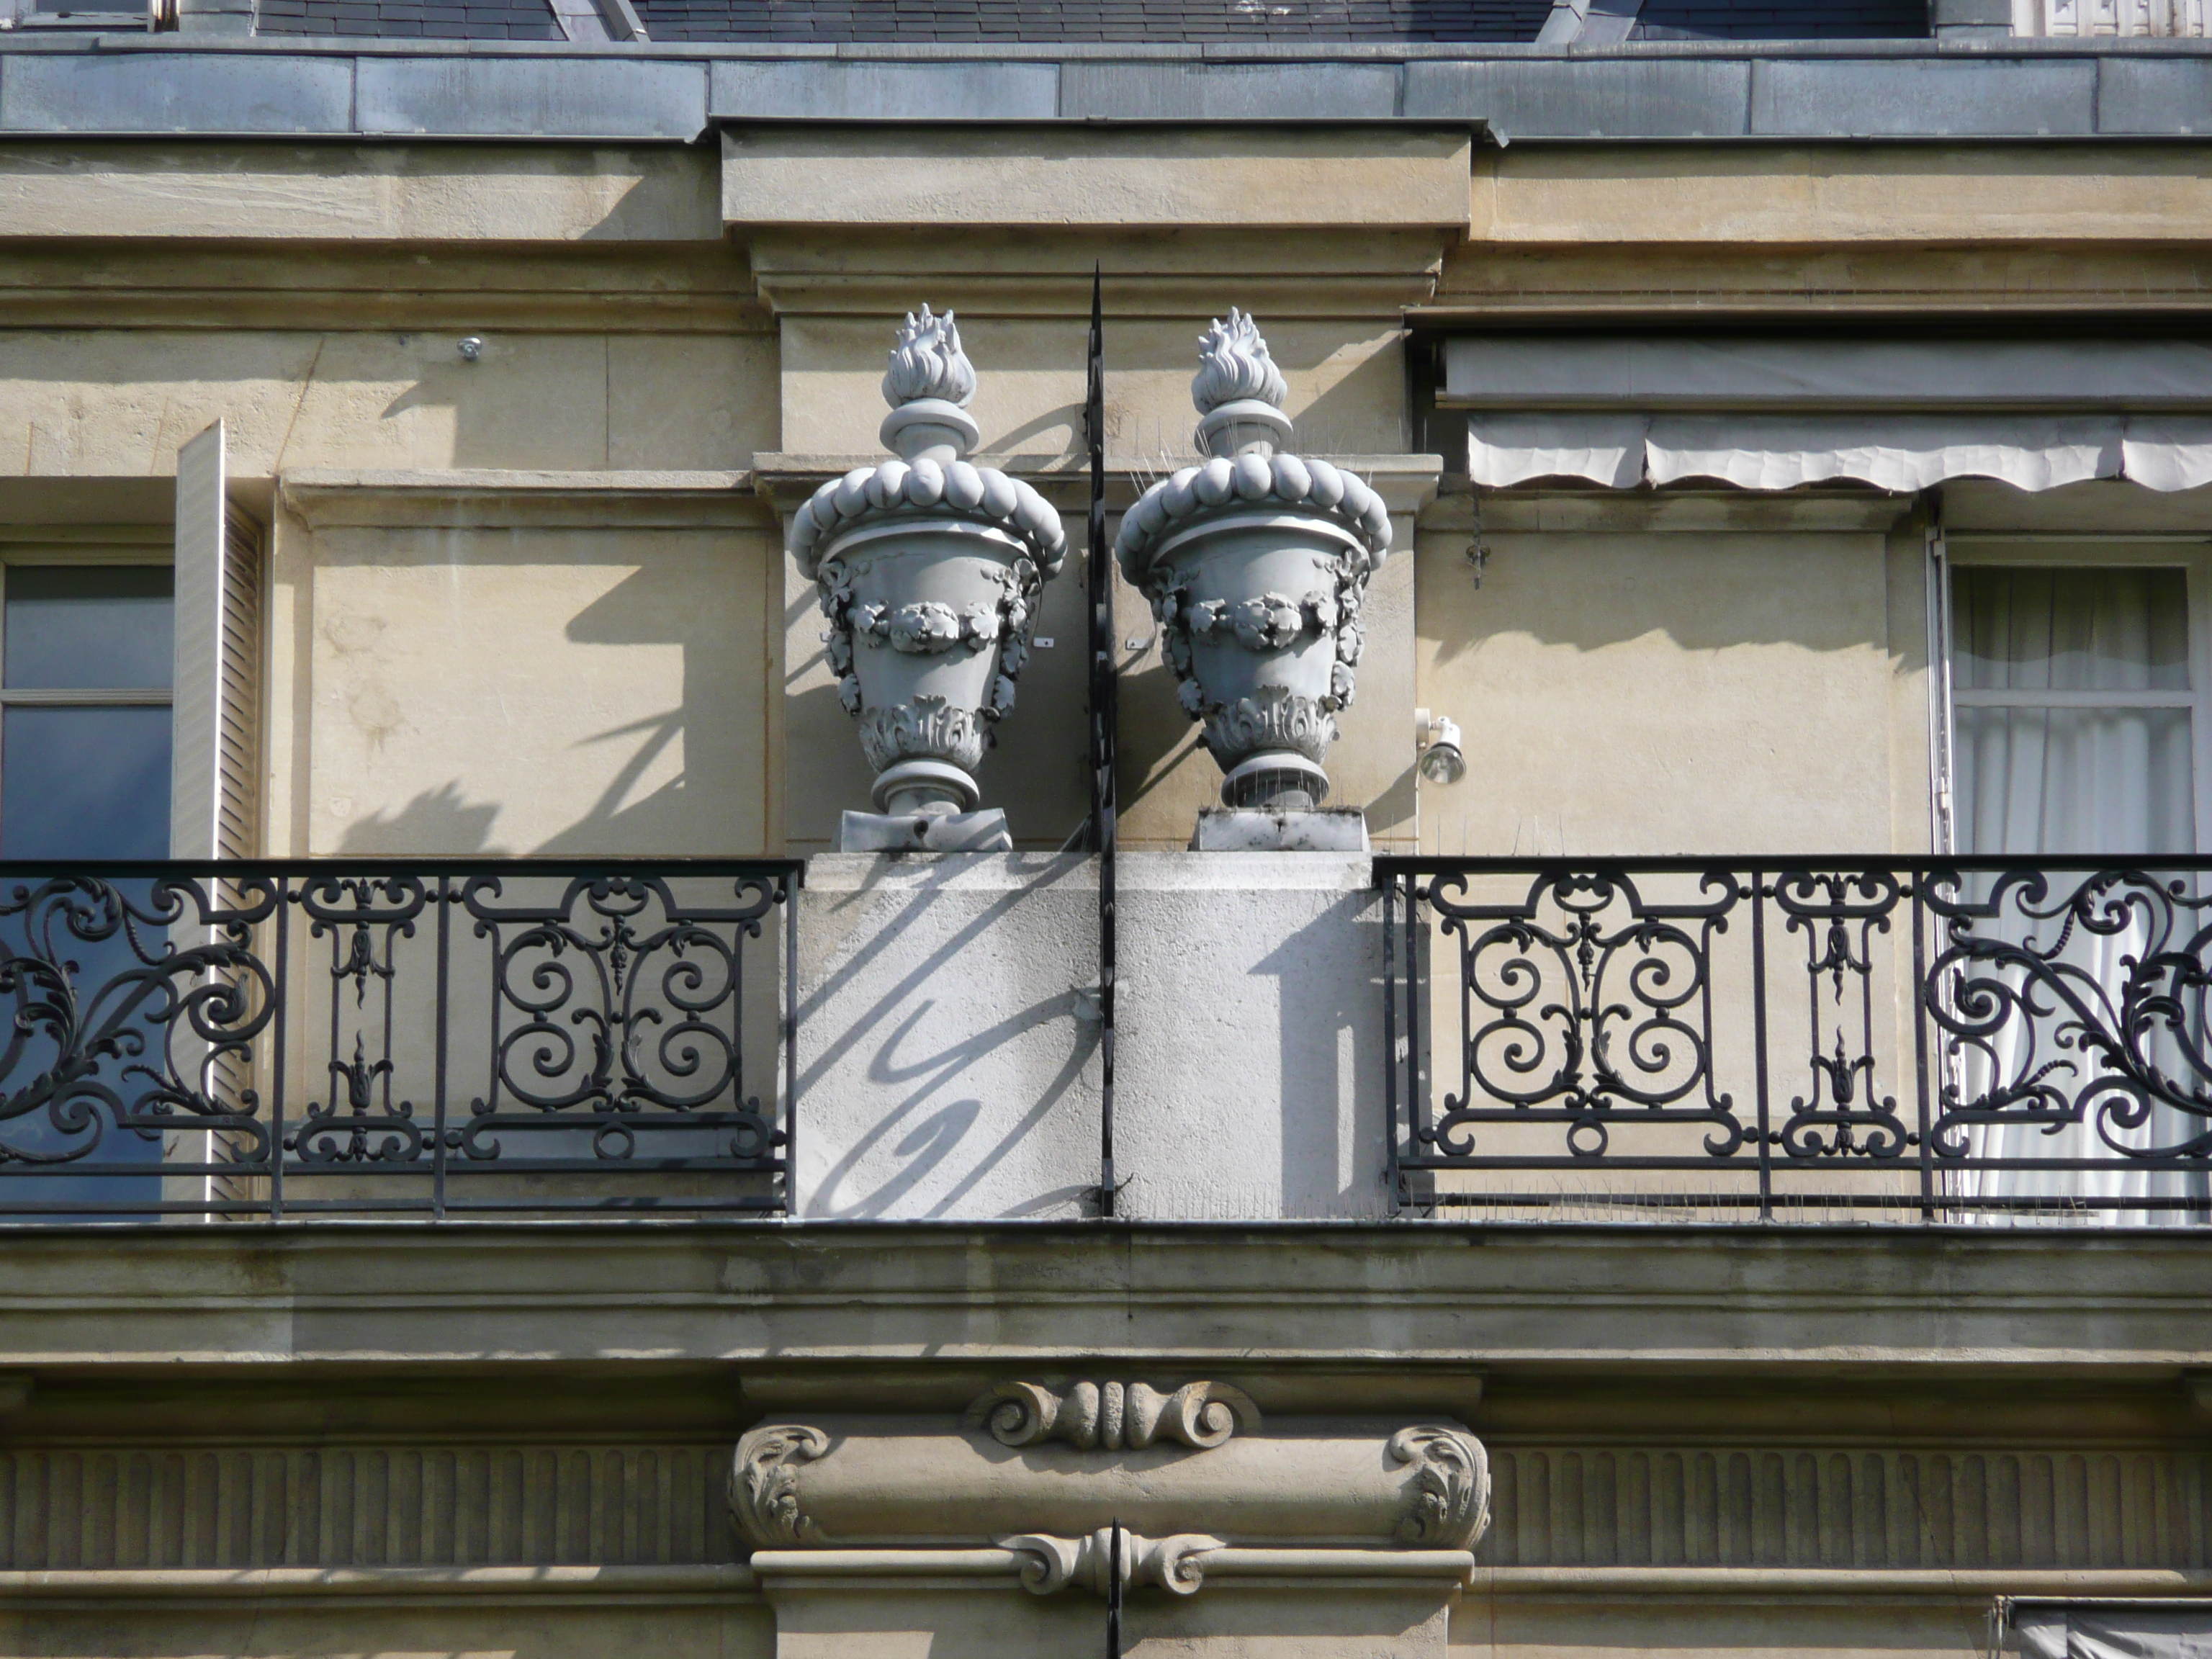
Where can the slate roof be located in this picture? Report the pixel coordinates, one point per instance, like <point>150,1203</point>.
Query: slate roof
<point>412,20</point>
<point>1051,20</point>
<point>1781,19</point>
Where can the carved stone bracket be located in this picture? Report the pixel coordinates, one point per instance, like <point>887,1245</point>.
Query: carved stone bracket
<point>1449,1490</point>
<point>1113,1415</point>
<point>765,1482</point>
<point>1049,1564</point>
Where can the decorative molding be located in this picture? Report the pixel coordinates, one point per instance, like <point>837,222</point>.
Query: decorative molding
<point>465,497</point>
<point>160,1590</point>
<point>764,1484</point>
<point>1844,1507</point>
<point>332,1508</point>
<point>1450,1488</point>
<point>1048,1565</point>
<point>1113,1415</point>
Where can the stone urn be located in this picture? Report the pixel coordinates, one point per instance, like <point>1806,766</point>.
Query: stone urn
<point>930,569</point>
<point>1255,562</point>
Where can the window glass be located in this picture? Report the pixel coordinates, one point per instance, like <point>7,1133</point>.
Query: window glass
<point>88,627</point>
<point>84,783</point>
<point>2070,629</point>
<point>2089,782</point>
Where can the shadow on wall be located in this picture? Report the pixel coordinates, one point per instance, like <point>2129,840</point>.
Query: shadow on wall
<point>892,1083</point>
<point>1332,1083</point>
<point>684,781</point>
<point>1824,591</point>
<point>440,820</point>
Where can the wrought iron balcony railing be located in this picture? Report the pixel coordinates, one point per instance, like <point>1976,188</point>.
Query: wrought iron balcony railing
<point>1944,1040</point>
<point>428,1037</point>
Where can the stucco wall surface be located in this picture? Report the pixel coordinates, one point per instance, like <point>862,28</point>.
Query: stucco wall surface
<point>1720,689</point>
<point>563,686</point>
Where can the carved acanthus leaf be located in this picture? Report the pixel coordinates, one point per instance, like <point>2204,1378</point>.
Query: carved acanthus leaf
<point>1449,1492</point>
<point>1176,1563</point>
<point>1113,1415</point>
<point>764,1497</point>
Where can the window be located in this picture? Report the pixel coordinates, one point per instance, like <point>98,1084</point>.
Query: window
<point>2074,730</point>
<point>85,661</point>
<point>2073,725</point>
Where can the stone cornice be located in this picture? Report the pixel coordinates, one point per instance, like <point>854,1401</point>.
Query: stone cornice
<point>467,498</point>
<point>1227,1300</point>
<point>104,1590</point>
<point>851,1569</point>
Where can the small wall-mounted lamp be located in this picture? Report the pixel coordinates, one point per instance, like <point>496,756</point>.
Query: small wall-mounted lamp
<point>1436,736</point>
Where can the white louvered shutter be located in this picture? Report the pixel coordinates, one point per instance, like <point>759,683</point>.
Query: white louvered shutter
<point>214,794</point>
<point>216,758</point>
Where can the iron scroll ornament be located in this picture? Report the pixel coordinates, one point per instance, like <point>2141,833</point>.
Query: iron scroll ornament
<point>653,986</point>
<point>139,1051</point>
<point>2059,1041</point>
<point>1590,999</point>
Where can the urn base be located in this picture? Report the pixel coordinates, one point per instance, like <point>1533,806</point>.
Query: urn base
<point>1275,780</point>
<point>925,832</point>
<point>1338,829</point>
<point>922,785</point>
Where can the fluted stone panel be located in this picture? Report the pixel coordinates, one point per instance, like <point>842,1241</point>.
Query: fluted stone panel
<point>368,1505</point>
<point>1814,1507</point>
<point>363,1506</point>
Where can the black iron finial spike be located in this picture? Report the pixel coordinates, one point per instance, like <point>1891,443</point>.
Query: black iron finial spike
<point>1104,715</point>
<point>1114,1595</point>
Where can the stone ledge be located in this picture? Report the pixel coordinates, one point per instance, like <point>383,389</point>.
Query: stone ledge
<point>1290,1567</point>
<point>1188,1296</point>
<point>103,1587</point>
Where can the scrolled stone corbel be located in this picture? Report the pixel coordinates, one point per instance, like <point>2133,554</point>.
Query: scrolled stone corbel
<point>1113,1415</point>
<point>1176,1563</point>
<point>1450,1491</point>
<point>764,1484</point>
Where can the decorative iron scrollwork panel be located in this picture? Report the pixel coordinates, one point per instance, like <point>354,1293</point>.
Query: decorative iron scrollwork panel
<point>125,1000</point>
<point>1934,1038</point>
<point>2074,999</point>
<point>389,1038</point>
<point>1582,1003</point>
<point>621,1005</point>
<point>1844,1109</point>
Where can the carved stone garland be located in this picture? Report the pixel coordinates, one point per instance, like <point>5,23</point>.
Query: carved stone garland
<point>1257,564</point>
<point>930,571</point>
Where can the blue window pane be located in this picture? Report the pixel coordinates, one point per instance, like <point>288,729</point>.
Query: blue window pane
<point>84,783</point>
<point>89,627</point>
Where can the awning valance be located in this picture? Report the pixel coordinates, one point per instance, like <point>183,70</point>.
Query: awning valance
<point>1757,450</point>
<point>2109,1630</point>
<point>1774,412</point>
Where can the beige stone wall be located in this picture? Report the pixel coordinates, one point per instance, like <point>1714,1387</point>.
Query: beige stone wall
<point>1683,678</point>
<point>504,673</point>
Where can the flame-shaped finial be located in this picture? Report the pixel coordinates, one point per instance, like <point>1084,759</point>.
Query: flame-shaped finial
<point>928,362</point>
<point>1233,366</point>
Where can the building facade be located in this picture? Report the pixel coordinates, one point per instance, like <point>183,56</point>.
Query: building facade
<point>1480,937</point>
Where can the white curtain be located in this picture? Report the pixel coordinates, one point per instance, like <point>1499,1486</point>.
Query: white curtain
<point>2102,770</point>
